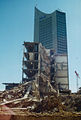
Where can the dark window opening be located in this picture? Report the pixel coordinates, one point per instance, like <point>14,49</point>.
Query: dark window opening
<point>52,70</point>
<point>36,65</point>
<point>27,56</point>
<point>36,56</point>
<point>31,73</point>
<point>36,48</point>
<point>30,48</point>
<point>29,65</point>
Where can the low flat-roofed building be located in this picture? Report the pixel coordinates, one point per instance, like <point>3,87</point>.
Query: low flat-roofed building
<point>9,86</point>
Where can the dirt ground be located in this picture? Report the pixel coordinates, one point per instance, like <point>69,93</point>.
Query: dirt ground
<point>55,116</point>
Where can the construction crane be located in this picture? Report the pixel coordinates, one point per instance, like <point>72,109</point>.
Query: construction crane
<point>77,76</point>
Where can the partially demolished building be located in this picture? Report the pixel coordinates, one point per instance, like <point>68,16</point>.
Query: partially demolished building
<point>41,62</point>
<point>38,60</point>
<point>35,61</point>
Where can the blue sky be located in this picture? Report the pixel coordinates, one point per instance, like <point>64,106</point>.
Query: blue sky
<point>17,25</point>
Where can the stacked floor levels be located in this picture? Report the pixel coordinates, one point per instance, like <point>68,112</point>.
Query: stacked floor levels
<point>35,61</point>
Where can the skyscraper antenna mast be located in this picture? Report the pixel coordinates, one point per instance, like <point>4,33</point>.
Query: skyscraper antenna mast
<point>35,3</point>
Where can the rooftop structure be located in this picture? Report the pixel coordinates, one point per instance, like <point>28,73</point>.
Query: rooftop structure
<point>50,30</point>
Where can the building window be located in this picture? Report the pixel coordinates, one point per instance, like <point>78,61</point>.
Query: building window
<point>30,48</point>
<point>36,65</point>
<point>36,56</point>
<point>36,48</point>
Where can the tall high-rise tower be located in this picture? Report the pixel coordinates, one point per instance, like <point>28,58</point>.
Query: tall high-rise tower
<point>50,30</point>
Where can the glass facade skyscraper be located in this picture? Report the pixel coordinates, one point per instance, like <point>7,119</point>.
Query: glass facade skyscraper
<point>50,30</point>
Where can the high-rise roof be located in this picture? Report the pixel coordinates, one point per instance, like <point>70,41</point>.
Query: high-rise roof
<point>50,30</point>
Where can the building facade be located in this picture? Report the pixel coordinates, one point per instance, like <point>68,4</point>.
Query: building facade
<point>61,71</point>
<point>50,30</point>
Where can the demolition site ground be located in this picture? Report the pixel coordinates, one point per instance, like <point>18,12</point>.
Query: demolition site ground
<point>38,100</point>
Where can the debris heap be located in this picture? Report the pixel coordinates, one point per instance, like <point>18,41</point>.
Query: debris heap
<point>36,96</point>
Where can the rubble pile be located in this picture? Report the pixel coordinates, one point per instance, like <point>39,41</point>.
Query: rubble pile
<point>34,88</point>
<point>31,95</point>
<point>39,96</point>
<point>50,103</point>
<point>21,91</point>
<point>72,102</point>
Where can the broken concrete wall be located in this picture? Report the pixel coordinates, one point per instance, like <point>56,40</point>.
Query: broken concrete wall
<point>44,85</point>
<point>44,61</point>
